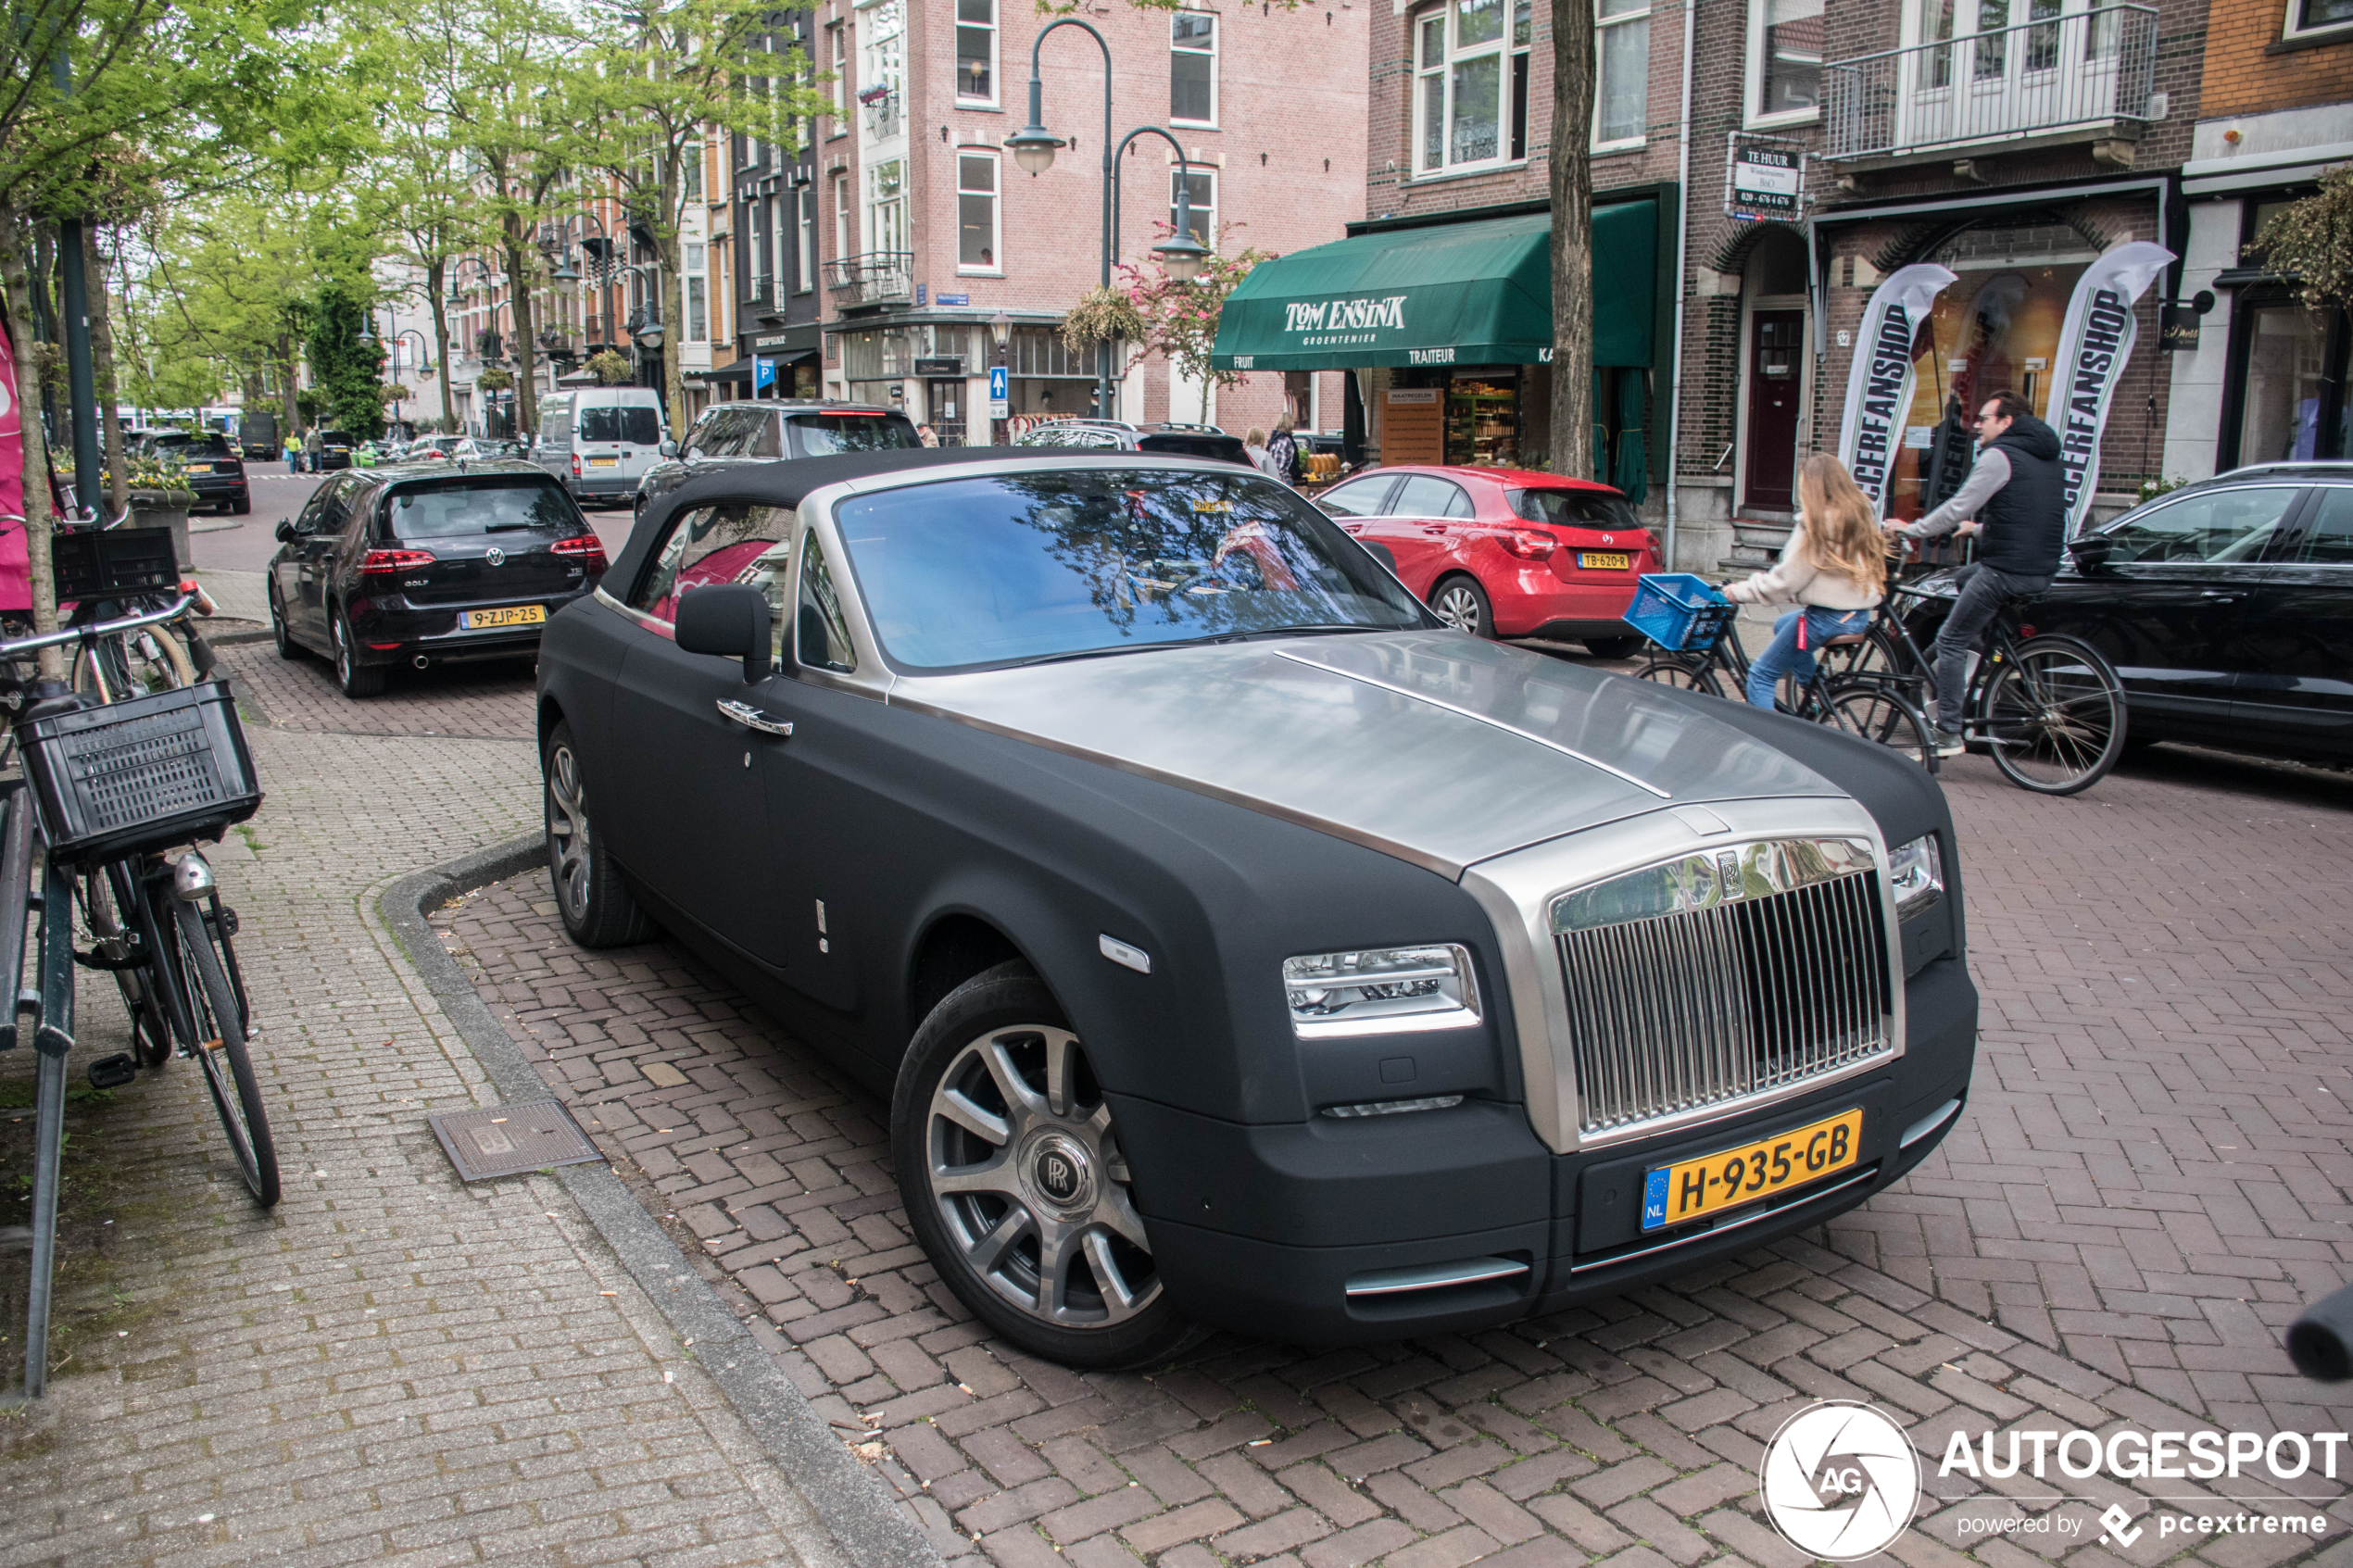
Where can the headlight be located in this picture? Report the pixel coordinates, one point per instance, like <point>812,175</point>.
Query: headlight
<point>1917,872</point>
<point>1380,991</point>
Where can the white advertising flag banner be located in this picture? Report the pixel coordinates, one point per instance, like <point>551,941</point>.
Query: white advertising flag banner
<point>2095,344</point>
<point>1879,384</point>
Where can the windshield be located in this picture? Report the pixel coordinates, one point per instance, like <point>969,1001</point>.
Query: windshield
<point>194,446</point>
<point>820,433</point>
<point>637,424</point>
<point>441,511</point>
<point>1068,435</point>
<point>1018,567</point>
<point>333,439</point>
<point>1573,509</point>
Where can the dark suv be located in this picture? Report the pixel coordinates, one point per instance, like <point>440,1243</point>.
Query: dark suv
<point>730,434</point>
<point>208,464</point>
<point>425,563</point>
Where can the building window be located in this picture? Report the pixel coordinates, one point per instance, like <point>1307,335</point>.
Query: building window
<point>842,216</point>
<point>887,205</point>
<point>805,277</point>
<point>1200,190</point>
<point>691,170</point>
<point>1192,67</point>
<point>698,310</point>
<point>2311,16</point>
<point>837,51</point>
<point>977,212</point>
<point>1471,96</point>
<point>1622,46</point>
<point>722,324</point>
<point>976,51</point>
<point>1784,58</point>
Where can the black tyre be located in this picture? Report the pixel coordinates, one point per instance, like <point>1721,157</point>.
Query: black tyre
<point>1011,1172</point>
<point>594,902</point>
<point>287,646</point>
<point>242,506</point>
<point>2054,716</point>
<point>1461,603</point>
<point>150,1028</point>
<point>1613,648</point>
<point>1878,712</point>
<point>1688,675</point>
<point>220,1045</point>
<point>359,681</point>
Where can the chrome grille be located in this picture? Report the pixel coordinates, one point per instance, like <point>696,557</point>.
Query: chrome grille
<point>1723,977</point>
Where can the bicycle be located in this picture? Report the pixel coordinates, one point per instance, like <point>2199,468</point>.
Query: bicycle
<point>118,784</point>
<point>1875,711</point>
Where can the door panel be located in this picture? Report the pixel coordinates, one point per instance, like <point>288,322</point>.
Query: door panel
<point>1770,464</point>
<point>314,555</point>
<point>2298,691</point>
<point>1420,527</point>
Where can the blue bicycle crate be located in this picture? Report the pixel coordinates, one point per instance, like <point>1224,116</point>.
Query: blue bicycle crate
<point>1678,611</point>
<point>149,773</point>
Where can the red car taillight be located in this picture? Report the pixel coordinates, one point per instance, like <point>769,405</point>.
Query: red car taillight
<point>575,465</point>
<point>1529,545</point>
<point>588,547</point>
<point>392,560</point>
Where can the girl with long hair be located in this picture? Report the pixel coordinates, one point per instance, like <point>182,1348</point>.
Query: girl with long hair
<point>1834,569</point>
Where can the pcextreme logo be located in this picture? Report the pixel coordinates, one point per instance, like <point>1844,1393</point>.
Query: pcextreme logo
<point>1840,1480</point>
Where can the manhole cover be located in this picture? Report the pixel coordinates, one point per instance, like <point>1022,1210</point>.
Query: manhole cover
<point>506,1140</point>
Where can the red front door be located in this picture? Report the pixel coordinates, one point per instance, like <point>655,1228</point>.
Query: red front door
<point>1771,460</point>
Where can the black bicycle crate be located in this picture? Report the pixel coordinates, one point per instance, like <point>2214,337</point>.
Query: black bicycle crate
<point>146,774</point>
<point>93,563</point>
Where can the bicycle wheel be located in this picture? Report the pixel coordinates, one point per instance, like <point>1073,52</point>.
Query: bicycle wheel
<point>152,660</point>
<point>1880,714</point>
<point>1690,676</point>
<point>2054,715</point>
<point>220,1046</point>
<point>150,1030</point>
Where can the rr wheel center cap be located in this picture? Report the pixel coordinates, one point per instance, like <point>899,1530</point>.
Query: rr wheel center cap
<point>1061,1171</point>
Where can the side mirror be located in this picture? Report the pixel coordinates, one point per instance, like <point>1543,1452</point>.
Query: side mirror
<point>669,448</point>
<point>285,532</point>
<point>727,620</point>
<point>2091,552</point>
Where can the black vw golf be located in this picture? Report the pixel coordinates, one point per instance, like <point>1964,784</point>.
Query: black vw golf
<point>427,562</point>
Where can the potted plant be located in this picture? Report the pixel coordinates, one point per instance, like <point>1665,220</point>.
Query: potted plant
<point>160,498</point>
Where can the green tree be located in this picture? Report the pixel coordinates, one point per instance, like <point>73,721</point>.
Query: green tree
<point>349,374</point>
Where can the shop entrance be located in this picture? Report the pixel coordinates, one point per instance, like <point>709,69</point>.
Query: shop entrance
<point>1775,337</point>
<point>945,400</point>
<point>1482,419</point>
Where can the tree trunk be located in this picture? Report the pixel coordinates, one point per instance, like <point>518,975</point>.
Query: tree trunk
<point>673,323</point>
<point>102,365</point>
<point>39,524</point>
<point>1572,189</point>
<point>433,270</point>
<point>287,390</point>
<point>527,387</point>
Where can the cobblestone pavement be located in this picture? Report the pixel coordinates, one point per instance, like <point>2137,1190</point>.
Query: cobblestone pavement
<point>490,700</point>
<point>2148,1181</point>
<point>390,1367</point>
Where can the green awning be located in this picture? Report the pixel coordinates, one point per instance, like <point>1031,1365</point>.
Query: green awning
<point>1452,294</point>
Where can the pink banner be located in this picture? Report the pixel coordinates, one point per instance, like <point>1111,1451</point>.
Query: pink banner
<point>16,576</point>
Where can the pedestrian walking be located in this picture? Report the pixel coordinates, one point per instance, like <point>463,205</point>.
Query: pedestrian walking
<point>1282,452</point>
<point>2015,497</point>
<point>1254,448</point>
<point>293,457</point>
<point>1833,568</point>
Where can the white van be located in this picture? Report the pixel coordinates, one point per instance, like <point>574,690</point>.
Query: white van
<point>599,440</point>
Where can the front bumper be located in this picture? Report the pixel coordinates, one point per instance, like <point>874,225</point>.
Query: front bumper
<point>1296,1224</point>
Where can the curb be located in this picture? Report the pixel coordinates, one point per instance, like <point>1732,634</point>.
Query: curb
<point>862,1512</point>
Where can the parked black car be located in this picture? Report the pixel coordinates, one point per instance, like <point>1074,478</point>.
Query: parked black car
<point>731,433</point>
<point>427,562</point>
<point>210,465</point>
<point>1239,943</point>
<point>323,451</point>
<point>2227,609</point>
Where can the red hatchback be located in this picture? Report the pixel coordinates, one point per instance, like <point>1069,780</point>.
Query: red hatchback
<point>1505,552</point>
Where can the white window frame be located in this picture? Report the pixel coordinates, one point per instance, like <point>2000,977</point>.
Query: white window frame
<point>838,122</point>
<point>996,194</point>
<point>2291,28</point>
<point>886,212</point>
<point>1752,85</point>
<point>805,234</point>
<point>1638,16</point>
<point>842,215</point>
<point>1207,213</point>
<point>1507,47</point>
<point>964,99</point>
<point>695,289</point>
<point>1216,42</point>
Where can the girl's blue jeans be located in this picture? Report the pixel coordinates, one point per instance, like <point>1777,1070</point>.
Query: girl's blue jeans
<point>1782,655</point>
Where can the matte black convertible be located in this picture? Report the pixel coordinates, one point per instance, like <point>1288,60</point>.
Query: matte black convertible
<point>1238,945</point>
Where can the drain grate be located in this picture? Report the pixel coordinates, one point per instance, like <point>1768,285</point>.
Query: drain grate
<point>507,1140</point>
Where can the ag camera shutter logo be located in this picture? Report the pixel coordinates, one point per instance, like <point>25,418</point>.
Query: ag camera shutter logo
<point>1841,1480</point>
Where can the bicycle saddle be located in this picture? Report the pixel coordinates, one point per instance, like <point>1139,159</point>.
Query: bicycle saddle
<point>1845,640</point>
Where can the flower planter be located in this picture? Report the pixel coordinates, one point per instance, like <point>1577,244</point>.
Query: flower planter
<point>165,509</point>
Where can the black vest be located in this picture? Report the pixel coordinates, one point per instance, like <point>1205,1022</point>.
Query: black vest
<point>2026,521</point>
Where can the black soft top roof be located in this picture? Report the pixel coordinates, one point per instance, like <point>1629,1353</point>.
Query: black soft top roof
<point>788,482</point>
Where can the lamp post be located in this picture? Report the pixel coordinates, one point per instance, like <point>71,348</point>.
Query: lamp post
<point>1033,148</point>
<point>565,272</point>
<point>424,349</point>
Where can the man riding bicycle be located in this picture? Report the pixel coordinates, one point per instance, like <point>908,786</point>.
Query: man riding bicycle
<point>2014,495</point>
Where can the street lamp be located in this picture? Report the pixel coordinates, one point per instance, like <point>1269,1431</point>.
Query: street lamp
<point>1000,332</point>
<point>457,273</point>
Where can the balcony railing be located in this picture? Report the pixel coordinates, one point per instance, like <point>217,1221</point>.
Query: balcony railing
<point>883,117</point>
<point>872,279</point>
<point>2082,71</point>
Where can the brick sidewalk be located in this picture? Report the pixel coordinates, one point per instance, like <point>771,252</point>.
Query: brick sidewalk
<point>490,700</point>
<point>390,1367</point>
<point>2144,1189</point>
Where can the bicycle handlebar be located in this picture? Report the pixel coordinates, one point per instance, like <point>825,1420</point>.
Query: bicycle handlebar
<point>11,648</point>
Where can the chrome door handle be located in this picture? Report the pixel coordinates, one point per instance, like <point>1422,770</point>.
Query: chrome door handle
<point>751,718</point>
<point>2219,598</point>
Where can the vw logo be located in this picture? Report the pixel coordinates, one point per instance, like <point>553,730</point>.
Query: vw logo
<point>496,555</point>
<point>1840,1480</point>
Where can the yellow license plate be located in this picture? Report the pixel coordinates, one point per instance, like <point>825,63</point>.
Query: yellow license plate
<point>513,615</point>
<point>198,468</point>
<point>602,462</point>
<point>1603,561</point>
<point>1693,1189</point>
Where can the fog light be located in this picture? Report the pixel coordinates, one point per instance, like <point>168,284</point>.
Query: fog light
<point>1916,872</point>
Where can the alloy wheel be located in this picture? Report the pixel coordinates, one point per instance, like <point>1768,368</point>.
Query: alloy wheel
<point>568,831</point>
<point>1457,607</point>
<point>343,653</point>
<point>1026,1173</point>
